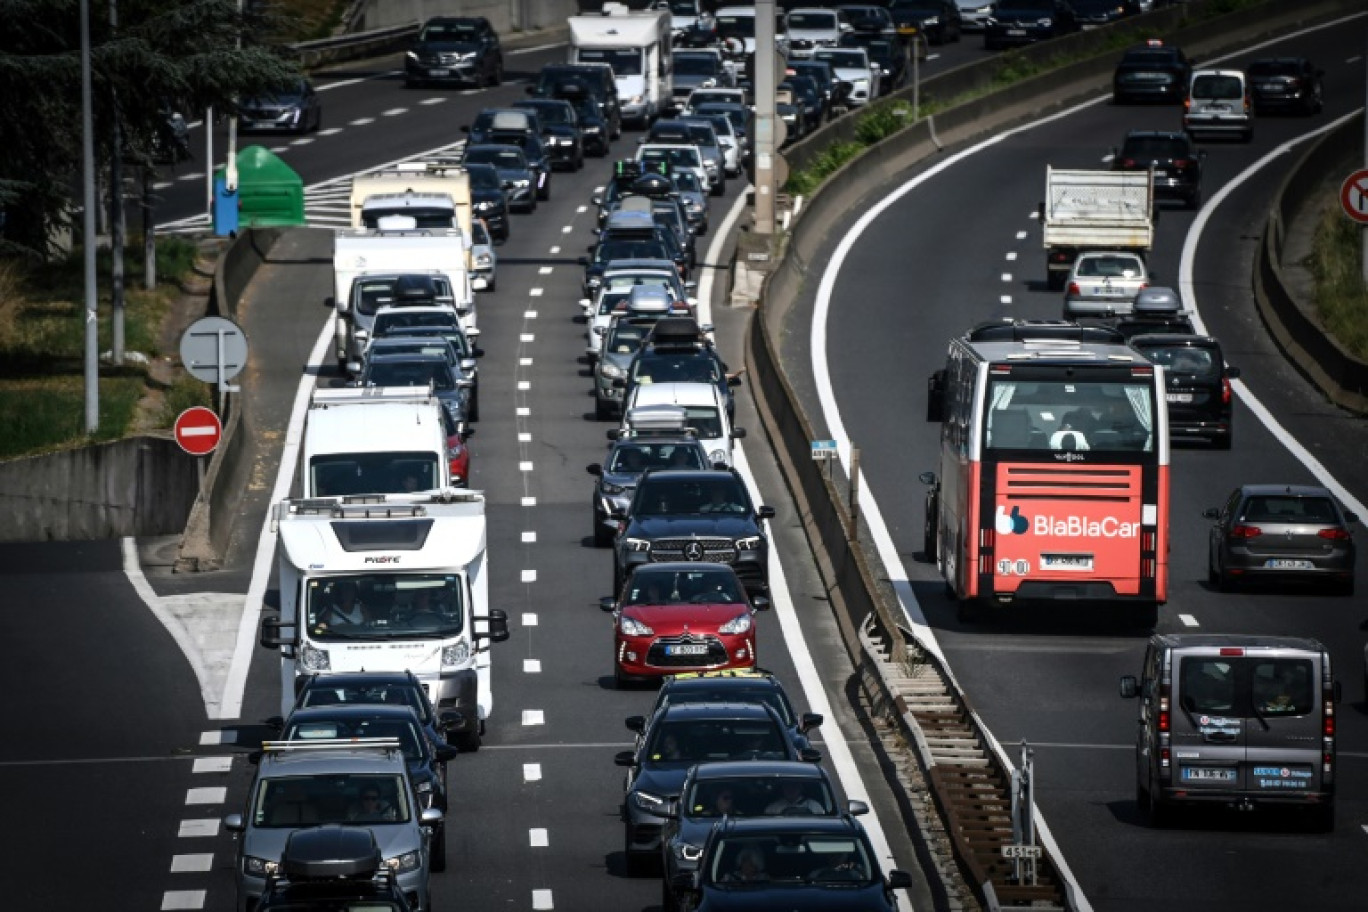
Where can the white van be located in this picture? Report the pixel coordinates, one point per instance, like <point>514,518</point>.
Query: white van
<point>638,46</point>
<point>1218,102</point>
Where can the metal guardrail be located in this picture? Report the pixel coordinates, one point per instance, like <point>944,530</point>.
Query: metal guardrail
<point>356,45</point>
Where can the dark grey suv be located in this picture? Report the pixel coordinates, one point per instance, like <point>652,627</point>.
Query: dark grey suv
<point>1197,385</point>
<point>694,515</point>
<point>455,49</point>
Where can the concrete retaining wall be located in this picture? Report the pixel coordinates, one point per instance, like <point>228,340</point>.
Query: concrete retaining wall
<point>1341,376</point>
<point>507,16</point>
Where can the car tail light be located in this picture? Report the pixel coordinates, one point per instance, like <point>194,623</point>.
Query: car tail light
<point>1127,163</point>
<point>1225,391</point>
<point>1243,531</point>
<point>1181,163</point>
<point>1074,289</point>
<point>1165,720</point>
<point>1187,104</point>
<point>1233,652</point>
<point>1334,534</point>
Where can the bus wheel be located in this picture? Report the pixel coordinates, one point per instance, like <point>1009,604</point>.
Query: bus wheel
<point>1146,616</point>
<point>967,610</point>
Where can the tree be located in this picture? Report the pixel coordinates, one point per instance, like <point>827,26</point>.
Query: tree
<point>164,55</point>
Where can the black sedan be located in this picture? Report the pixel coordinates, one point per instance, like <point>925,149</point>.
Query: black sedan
<point>791,863</point>
<point>515,174</point>
<point>1285,84</point>
<point>488,198</point>
<point>1271,532</point>
<point>561,132</point>
<point>452,390</point>
<point>394,688</point>
<point>1154,71</point>
<point>676,738</point>
<point>938,21</point>
<point>462,50</point>
<point>1176,161</point>
<point>295,108</point>
<point>534,150</point>
<point>1017,22</point>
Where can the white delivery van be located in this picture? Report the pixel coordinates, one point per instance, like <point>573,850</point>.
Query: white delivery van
<point>382,440</point>
<point>388,583</point>
<point>637,45</point>
<point>366,265</point>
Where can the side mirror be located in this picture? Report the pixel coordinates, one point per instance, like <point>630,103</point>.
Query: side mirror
<point>737,433</point>
<point>596,199</point>
<point>608,603</point>
<point>734,380</point>
<point>234,823</point>
<point>498,627</point>
<point>625,758</point>
<point>594,469</point>
<point>636,724</point>
<point>935,396</point>
<point>1130,688</point>
<point>927,478</point>
<point>760,603</point>
<point>1232,373</point>
<point>274,635</point>
<point>468,364</point>
<point>445,753</point>
<point>583,261</point>
<point>899,880</point>
<point>809,721</point>
<point>430,817</point>
<point>765,512</point>
<point>810,755</point>
<point>465,128</point>
<point>353,367</point>
<point>856,808</point>
<point>329,302</point>
<point>1211,513</point>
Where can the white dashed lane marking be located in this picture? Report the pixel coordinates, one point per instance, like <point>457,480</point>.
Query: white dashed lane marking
<point>524,467</point>
<point>524,362</point>
<point>1006,277</point>
<point>432,101</point>
<point>529,315</point>
<point>527,337</point>
<point>331,131</point>
<point>216,794</point>
<point>545,270</point>
<point>567,229</point>
<point>302,141</point>
<point>211,738</point>
<point>394,112</point>
<point>212,765</point>
<point>533,717</point>
<point>582,209</point>
<point>1188,620</point>
<point>192,864</point>
<point>1005,299</point>
<point>529,501</point>
<point>532,666</point>
<point>554,250</point>
<point>541,900</point>
<point>529,538</point>
<point>532,773</point>
<point>1011,256</point>
<point>537,839</point>
<point>524,385</point>
<point>525,437</point>
<point>535,292</point>
<point>361,121</point>
<point>182,899</point>
<point>529,576</point>
<point>1021,236</point>
<point>529,620</point>
<point>198,828</point>
<point>523,412</point>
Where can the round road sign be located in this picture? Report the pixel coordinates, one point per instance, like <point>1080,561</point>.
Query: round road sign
<point>198,430</point>
<point>1354,196</point>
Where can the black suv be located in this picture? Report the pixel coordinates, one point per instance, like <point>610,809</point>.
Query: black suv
<point>806,862</point>
<point>738,685</point>
<point>676,738</point>
<point>1154,71</point>
<point>679,352</point>
<point>332,867</point>
<point>1198,385</point>
<point>393,688</point>
<point>560,129</point>
<point>561,80</point>
<point>489,198</point>
<point>455,49</point>
<point>1018,22</point>
<point>674,517</point>
<point>1176,161</point>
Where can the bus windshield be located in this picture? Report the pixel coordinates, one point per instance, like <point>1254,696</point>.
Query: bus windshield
<point>1061,415</point>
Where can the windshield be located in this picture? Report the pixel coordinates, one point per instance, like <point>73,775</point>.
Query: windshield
<point>684,7</point>
<point>291,802</point>
<point>849,60</point>
<point>508,159</point>
<point>388,694</point>
<point>703,65</point>
<point>483,176</point>
<point>384,606</point>
<point>794,858</point>
<point>391,322</point>
<point>625,338</point>
<point>1184,360</point>
<point>410,373</point>
<point>633,459</point>
<point>735,116</point>
<point>757,796</point>
<point>687,181</point>
<point>554,113</point>
<point>731,693</point>
<point>631,250</point>
<point>345,474</point>
<point>423,216</point>
<point>697,741</point>
<point>668,368</point>
<point>826,21</point>
<point>680,157</point>
<point>625,62</point>
<point>449,32</point>
<point>736,26</point>
<point>1070,415</point>
<point>722,495</point>
<point>370,294</point>
<point>1226,87</point>
<point>685,587</point>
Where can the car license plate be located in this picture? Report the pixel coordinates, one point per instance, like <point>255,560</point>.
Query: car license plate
<point>1207,774</point>
<point>1286,564</point>
<point>440,72</point>
<point>1218,108</point>
<point>1178,397</point>
<point>1016,33</point>
<point>1075,563</point>
<point>688,649</point>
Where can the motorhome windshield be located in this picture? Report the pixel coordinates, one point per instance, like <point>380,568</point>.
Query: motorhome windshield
<point>385,606</point>
<point>624,61</point>
<point>423,216</point>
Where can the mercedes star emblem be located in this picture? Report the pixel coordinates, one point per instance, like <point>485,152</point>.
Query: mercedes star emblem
<point>693,551</point>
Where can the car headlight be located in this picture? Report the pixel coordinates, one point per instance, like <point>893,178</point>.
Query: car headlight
<point>613,490</point>
<point>646,801</point>
<point>412,56</point>
<point>719,456</point>
<point>314,659</point>
<point>454,656</point>
<point>255,867</point>
<point>931,20</point>
<point>750,543</point>
<point>637,99</point>
<point>485,205</point>
<point>738,624</point>
<point>788,118</point>
<point>633,628</point>
<point>593,129</point>
<point>709,83</point>
<point>522,182</point>
<point>611,371</point>
<point>638,545</point>
<point>1046,22</point>
<point>686,852</point>
<point>484,260</point>
<point>401,864</point>
<point>466,58</point>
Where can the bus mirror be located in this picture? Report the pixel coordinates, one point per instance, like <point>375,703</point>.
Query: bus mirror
<point>935,397</point>
<point>278,634</point>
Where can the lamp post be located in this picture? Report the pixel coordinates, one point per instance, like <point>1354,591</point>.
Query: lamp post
<point>92,327</point>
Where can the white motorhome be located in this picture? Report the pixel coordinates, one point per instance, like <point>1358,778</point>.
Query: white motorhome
<point>381,440</point>
<point>366,265</point>
<point>638,46</point>
<point>388,583</point>
<point>425,179</point>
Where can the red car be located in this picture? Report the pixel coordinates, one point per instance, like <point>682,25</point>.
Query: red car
<point>678,617</point>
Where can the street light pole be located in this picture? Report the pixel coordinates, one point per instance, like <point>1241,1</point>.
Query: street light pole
<point>764,117</point>
<point>92,328</point>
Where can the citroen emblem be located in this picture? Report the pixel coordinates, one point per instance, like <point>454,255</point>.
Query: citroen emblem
<point>693,551</point>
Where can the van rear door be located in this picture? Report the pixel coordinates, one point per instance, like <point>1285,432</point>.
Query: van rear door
<point>1283,735</point>
<point>1209,725</point>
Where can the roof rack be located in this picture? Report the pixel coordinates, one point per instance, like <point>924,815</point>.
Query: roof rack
<point>369,395</point>
<point>299,747</point>
<point>1008,330</point>
<point>656,420</point>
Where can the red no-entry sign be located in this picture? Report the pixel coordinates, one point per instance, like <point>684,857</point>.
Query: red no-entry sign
<point>198,430</point>
<point>1354,196</point>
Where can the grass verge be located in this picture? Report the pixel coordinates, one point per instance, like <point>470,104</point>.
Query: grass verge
<point>1341,297</point>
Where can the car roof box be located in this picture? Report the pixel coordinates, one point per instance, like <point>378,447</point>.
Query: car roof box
<point>681,332</point>
<point>1157,300</point>
<point>330,852</point>
<point>656,419</point>
<point>1033,330</point>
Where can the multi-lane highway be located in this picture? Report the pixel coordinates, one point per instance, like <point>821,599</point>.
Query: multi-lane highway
<point>117,775</point>
<point>958,243</point>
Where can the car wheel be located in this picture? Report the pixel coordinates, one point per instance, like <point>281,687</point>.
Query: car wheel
<point>437,852</point>
<point>1213,575</point>
<point>621,682</point>
<point>474,404</point>
<point>491,284</point>
<point>1247,136</point>
<point>1224,582</point>
<point>1158,814</point>
<point>636,861</point>
<point>1054,280</point>
<point>668,901</point>
<point>1194,200</point>
<point>603,411</point>
<point>718,188</point>
<point>603,535</point>
<point>497,77</point>
<point>469,741</point>
<point>1323,818</point>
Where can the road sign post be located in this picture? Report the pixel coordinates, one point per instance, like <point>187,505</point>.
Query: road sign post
<point>214,349</point>
<point>1354,201</point>
<point>198,430</point>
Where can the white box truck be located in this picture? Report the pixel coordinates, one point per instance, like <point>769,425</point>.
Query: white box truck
<point>638,46</point>
<point>388,583</point>
<point>379,440</point>
<point>366,268</point>
<point>1094,210</point>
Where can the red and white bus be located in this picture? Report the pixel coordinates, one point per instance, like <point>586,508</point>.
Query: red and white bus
<point>1054,469</point>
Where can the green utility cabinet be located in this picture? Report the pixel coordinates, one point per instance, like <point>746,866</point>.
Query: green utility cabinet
<point>269,192</point>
